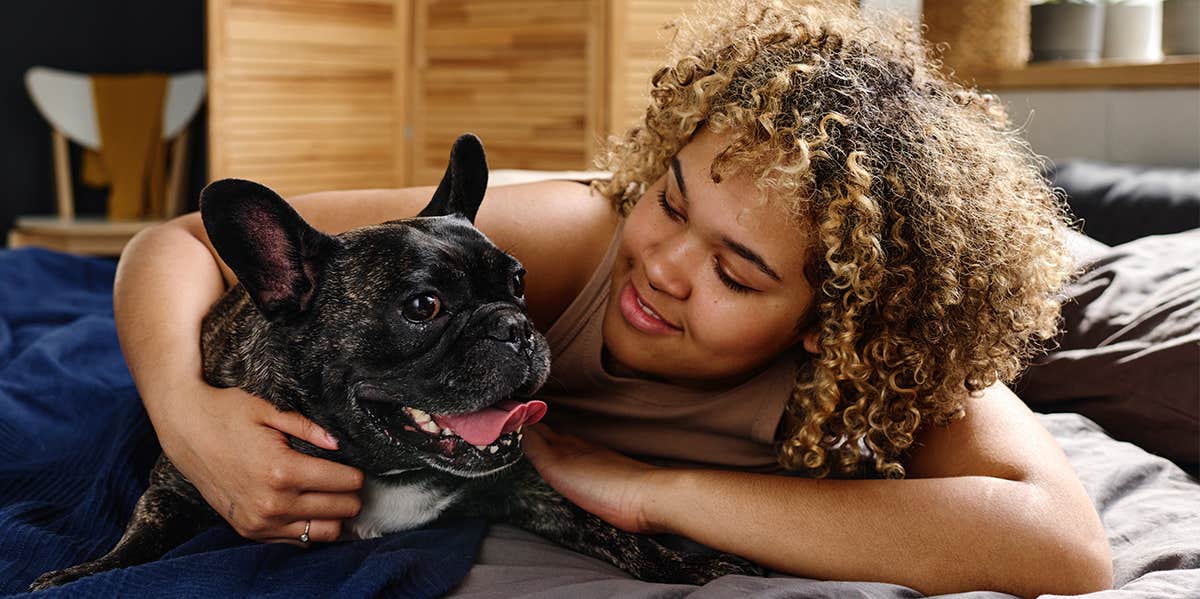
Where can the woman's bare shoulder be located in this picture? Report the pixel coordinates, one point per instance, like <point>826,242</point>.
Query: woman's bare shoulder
<point>559,230</point>
<point>999,436</point>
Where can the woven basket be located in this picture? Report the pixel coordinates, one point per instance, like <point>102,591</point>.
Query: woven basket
<point>982,35</point>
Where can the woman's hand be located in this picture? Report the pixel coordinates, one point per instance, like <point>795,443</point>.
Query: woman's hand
<point>233,447</point>
<point>615,488</point>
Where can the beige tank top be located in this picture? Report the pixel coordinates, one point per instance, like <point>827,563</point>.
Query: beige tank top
<point>656,421</point>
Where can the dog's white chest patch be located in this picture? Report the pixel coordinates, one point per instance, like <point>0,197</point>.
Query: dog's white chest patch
<point>389,508</point>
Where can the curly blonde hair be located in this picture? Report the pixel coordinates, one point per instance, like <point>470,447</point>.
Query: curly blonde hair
<point>936,245</point>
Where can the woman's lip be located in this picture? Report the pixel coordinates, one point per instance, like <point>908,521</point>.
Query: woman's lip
<point>631,310</point>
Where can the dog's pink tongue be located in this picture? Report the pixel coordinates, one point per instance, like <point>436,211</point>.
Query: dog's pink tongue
<point>486,425</point>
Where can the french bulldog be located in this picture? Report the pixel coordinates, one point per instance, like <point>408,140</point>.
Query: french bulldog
<point>409,342</point>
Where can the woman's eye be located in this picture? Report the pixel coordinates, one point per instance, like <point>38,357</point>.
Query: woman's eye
<point>518,284</point>
<point>672,213</point>
<point>733,285</point>
<point>422,307</point>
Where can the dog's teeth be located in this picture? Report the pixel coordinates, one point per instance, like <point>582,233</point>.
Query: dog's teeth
<point>420,416</point>
<point>506,441</point>
<point>447,432</point>
<point>430,427</point>
<point>479,447</point>
<point>493,448</point>
<point>519,437</point>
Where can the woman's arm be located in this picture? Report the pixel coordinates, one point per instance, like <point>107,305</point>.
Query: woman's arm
<point>228,443</point>
<point>991,503</point>
<point>232,445</point>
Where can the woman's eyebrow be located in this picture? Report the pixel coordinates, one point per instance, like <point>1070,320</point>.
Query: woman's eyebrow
<point>675,168</point>
<point>750,255</point>
<point>738,248</point>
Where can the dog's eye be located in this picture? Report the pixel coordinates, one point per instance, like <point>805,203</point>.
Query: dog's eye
<point>421,307</point>
<point>518,283</point>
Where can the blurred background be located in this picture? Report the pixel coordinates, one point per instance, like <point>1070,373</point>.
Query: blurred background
<point>311,95</point>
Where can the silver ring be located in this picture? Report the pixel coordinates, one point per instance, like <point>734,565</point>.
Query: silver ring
<point>304,535</point>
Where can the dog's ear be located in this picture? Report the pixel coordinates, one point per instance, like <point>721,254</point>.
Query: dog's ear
<point>462,187</point>
<point>276,256</point>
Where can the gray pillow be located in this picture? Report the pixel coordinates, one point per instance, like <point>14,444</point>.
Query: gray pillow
<point>1120,202</point>
<point>1129,357</point>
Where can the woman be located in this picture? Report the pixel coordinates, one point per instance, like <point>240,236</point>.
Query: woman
<point>808,201</point>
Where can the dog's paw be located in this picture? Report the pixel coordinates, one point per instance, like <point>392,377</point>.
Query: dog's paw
<point>726,563</point>
<point>680,567</point>
<point>49,579</point>
<point>55,578</point>
<point>700,569</point>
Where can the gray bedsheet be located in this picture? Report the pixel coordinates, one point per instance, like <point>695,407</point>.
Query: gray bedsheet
<point>1149,506</point>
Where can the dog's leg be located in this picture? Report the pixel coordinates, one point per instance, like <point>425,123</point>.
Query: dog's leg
<point>170,512</point>
<point>538,508</point>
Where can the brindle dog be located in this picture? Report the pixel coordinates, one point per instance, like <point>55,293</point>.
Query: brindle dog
<point>407,341</point>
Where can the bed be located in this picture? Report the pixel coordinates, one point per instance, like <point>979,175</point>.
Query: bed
<point>1120,394</point>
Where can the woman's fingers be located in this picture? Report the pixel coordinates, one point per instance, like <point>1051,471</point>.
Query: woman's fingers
<point>540,440</point>
<point>319,531</point>
<point>534,443</point>
<point>299,472</point>
<point>304,473</point>
<point>277,509</point>
<point>300,427</point>
<point>237,455</point>
<point>326,506</point>
<point>544,430</point>
<point>274,517</point>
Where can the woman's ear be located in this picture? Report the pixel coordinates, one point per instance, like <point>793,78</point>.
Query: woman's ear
<point>811,341</point>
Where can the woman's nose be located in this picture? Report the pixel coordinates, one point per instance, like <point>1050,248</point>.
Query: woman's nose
<point>669,268</point>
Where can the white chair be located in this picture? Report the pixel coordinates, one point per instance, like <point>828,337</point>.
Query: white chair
<point>65,101</point>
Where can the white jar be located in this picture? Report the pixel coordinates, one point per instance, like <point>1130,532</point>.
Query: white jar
<point>1133,31</point>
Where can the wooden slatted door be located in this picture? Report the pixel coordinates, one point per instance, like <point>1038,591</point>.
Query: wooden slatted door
<point>524,75</point>
<point>639,32</point>
<point>309,95</point>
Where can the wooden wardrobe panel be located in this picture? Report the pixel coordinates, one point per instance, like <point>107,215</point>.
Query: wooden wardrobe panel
<point>515,72</point>
<point>640,33</point>
<point>309,95</point>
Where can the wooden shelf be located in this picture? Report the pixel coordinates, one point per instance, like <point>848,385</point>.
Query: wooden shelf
<point>87,236</point>
<point>1172,71</point>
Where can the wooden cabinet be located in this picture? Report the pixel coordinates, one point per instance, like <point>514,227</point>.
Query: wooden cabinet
<point>527,76</point>
<point>310,95</point>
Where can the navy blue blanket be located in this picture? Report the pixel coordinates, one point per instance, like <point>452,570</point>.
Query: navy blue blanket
<point>76,449</point>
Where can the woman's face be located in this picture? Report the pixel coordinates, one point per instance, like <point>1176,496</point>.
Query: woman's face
<point>708,285</point>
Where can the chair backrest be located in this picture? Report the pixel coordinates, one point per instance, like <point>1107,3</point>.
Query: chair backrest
<point>65,99</point>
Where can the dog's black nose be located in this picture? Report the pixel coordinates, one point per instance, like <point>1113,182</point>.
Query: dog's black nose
<point>509,327</point>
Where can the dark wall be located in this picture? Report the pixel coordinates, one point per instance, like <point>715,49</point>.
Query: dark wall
<point>92,36</point>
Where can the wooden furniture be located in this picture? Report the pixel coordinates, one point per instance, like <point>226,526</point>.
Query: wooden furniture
<point>93,236</point>
<point>65,100</point>
<point>1109,110</point>
<point>1171,71</point>
<point>313,95</point>
<point>988,46</point>
<point>979,35</point>
<point>308,95</point>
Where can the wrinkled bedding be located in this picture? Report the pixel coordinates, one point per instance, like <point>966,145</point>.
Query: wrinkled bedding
<point>75,450</point>
<point>1129,354</point>
<point>1150,508</point>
